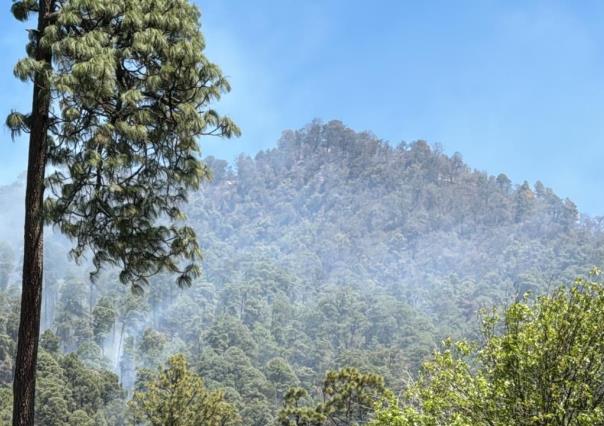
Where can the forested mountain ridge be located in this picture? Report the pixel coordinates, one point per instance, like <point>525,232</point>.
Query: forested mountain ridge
<point>333,206</point>
<point>333,249</point>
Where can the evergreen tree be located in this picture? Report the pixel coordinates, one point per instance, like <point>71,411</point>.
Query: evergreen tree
<point>121,93</point>
<point>349,399</point>
<point>177,397</point>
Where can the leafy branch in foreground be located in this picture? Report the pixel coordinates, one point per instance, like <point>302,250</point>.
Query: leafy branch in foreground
<point>541,363</point>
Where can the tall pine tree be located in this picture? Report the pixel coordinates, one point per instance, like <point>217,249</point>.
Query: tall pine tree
<point>122,91</point>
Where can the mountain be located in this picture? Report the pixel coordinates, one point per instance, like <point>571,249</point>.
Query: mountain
<point>332,249</point>
<point>335,207</point>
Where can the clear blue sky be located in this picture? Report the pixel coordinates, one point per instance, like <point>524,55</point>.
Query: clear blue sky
<point>515,86</point>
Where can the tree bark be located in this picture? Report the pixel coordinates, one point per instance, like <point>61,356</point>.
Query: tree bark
<point>24,384</point>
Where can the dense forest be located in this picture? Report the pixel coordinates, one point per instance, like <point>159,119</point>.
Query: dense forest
<point>333,258</point>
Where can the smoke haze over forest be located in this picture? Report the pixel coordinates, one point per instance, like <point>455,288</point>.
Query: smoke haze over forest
<point>333,249</point>
<point>191,246</point>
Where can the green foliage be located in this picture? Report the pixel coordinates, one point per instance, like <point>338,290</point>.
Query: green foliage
<point>8,333</point>
<point>349,398</point>
<point>132,91</point>
<point>49,342</point>
<point>73,319</point>
<point>6,405</point>
<point>151,348</point>
<point>7,260</point>
<point>104,316</point>
<point>393,415</point>
<point>177,396</point>
<point>541,363</point>
<point>281,375</point>
<point>68,392</point>
<point>295,414</point>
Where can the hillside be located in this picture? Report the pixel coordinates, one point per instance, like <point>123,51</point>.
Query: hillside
<point>333,249</point>
<point>335,207</point>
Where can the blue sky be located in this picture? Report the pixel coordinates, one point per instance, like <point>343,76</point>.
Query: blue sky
<point>514,86</point>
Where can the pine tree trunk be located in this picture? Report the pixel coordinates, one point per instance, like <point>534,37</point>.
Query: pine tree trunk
<point>31,297</point>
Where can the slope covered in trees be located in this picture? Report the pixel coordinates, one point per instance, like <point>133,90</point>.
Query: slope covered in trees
<point>332,250</point>
<point>333,206</point>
